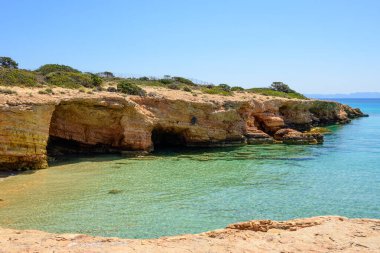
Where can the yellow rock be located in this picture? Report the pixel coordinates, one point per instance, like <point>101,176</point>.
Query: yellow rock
<point>111,121</point>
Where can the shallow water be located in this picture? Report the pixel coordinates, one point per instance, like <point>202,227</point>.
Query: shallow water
<point>185,191</point>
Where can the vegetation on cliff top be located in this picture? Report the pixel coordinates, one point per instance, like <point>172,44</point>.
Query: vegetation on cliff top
<point>276,93</point>
<point>130,88</point>
<point>56,75</point>
<point>50,68</point>
<point>7,62</point>
<point>18,77</point>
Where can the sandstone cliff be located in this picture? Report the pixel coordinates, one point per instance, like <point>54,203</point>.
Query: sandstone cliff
<point>72,121</point>
<point>318,234</point>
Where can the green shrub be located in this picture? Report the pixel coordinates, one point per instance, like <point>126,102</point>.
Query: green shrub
<point>69,79</point>
<point>111,89</point>
<point>17,77</point>
<point>237,88</point>
<point>225,87</point>
<point>320,107</point>
<point>144,78</point>
<point>174,86</point>
<point>216,90</point>
<point>187,89</point>
<point>127,87</point>
<point>96,80</point>
<point>49,68</point>
<point>166,81</point>
<point>271,92</point>
<point>183,80</point>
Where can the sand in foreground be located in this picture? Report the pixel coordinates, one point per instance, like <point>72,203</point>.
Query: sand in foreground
<point>317,234</point>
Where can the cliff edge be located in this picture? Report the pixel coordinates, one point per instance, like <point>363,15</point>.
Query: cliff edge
<point>34,124</point>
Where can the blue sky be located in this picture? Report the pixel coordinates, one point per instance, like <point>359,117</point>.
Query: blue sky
<point>316,46</point>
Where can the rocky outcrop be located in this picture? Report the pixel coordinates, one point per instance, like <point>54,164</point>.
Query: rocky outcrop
<point>99,125</point>
<point>317,234</point>
<point>24,132</point>
<point>291,136</point>
<point>258,137</point>
<point>108,122</point>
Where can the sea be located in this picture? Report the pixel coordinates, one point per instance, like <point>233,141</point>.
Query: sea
<point>178,191</point>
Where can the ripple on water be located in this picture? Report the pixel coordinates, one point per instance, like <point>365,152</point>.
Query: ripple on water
<point>190,191</point>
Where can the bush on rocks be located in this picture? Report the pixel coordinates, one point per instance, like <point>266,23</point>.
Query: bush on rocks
<point>130,88</point>
<point>173,86</point>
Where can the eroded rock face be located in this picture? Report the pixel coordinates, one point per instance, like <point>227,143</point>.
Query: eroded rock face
<point>24,132</point>
<point>196,123</point>
<point>111,122</point>
<point>101,124</point>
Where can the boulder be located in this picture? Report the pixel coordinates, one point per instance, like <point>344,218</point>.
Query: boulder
<point>258,137</point>
<point>291,136</point>
<point>270,122</point>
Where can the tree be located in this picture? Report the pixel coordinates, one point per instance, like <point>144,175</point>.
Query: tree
<point>280,86</point>
<point>106,74</point>
<point>8,62</point>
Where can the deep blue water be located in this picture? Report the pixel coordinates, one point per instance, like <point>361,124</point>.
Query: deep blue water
<point>173,192</point>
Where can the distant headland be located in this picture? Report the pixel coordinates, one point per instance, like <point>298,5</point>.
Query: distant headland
<point>348,95</point>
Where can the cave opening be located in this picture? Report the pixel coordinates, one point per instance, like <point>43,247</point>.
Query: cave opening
<point>58,147</point>
<point>163,138</point>
<point>77,129</point>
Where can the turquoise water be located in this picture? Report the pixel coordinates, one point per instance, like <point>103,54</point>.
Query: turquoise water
<point>174,192</point>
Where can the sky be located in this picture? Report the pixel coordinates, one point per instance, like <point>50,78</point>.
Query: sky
<point>315,46</point>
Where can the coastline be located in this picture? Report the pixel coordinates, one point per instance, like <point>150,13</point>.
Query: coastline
<point>316,234</point>
<point>75,122</point>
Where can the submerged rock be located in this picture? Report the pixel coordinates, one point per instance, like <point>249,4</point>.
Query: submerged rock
<point>319,130</point>
<point>115,191</point>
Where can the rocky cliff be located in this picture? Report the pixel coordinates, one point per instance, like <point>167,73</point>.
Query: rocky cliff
<point>71,121</point>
